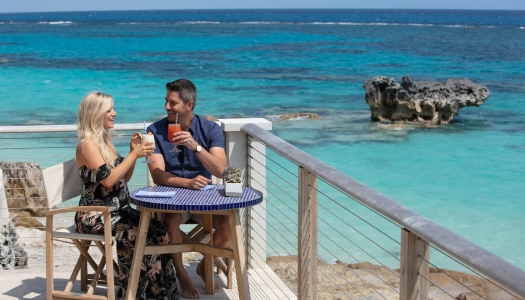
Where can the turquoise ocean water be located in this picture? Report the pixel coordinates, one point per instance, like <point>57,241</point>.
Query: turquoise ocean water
<point>468,175</point>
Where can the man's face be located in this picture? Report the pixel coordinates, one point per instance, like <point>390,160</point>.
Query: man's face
<point>175,105</point>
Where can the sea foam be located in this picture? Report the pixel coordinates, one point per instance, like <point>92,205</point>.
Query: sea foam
<point>56,22</point>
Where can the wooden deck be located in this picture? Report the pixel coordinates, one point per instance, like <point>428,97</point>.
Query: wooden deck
<point>31,284</point>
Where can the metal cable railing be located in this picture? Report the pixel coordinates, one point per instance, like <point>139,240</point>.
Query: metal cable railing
<point>440,288</point>
<point>269,275</point>
<point>272,258</point>
<point>443,271</point>
<point>332,227</point>
<point>451,277</point>
<point>284,238</point>
<point>320,192</point>
<point>279,234</point>
<point>290,255</point>
<point>327,236</point>
<point>495,270</point>
<point>348,234</point>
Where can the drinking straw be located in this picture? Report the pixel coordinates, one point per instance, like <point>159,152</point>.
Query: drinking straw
<point>176,118</point>
<point>145,128</point>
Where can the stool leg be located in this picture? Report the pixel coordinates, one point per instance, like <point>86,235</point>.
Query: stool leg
<point>84,270</point>
<point>50,285</point>
<point>208,258</point>
<point>239,257</point>
<point>229,273</point>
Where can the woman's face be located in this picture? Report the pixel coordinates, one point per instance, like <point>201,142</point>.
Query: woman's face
<point>109,118</point>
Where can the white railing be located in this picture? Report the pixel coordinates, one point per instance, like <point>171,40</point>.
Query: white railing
<point>309,229</point>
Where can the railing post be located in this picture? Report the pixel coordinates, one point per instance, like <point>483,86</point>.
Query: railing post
<point>4,210</point>
<point>257,219</point>
<point>307,244</point>
<point>415,254</point>
<point>249,156</point>
<point>149,179</point>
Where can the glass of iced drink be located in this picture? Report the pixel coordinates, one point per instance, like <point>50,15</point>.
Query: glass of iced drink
<point>172,128</point>
<point>148,138</point>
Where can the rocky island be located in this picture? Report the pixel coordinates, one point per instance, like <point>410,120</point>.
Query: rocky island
<point>421,101</point>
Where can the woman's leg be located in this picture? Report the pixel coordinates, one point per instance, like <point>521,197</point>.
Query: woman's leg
<point>157,278</point>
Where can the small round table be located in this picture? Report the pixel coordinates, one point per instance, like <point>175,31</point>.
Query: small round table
<point>205,202</point>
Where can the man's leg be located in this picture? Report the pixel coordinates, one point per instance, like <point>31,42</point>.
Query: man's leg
<point>172,223</point>
<point>221,237</point>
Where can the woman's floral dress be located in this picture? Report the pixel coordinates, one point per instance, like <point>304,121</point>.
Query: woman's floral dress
<point>157,277</point>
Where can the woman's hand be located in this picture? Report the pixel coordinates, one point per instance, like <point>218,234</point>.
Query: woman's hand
<point>198,182</point>
<point>142,150</point>
<point>135,141</point>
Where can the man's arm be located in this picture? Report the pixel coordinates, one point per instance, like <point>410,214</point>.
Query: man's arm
<point>161,176</point>
<point>214,160</point>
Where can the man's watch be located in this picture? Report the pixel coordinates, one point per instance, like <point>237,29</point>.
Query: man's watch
<point>199,148</point>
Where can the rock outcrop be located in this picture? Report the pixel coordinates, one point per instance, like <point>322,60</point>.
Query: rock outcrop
<point>428,102</point>
<point>24,192</point>
<point>12,256</point>
<point>211,118</point>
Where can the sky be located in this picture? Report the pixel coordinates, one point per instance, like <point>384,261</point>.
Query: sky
<point>7,6</point>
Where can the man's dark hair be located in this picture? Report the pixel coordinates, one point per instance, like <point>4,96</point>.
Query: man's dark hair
<point>186,89</point>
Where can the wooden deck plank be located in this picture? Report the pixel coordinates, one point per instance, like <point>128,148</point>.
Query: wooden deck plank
<point>31,284</point>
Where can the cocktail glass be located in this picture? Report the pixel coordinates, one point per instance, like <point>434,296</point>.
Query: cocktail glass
<point>172,128</point>
<point>148,138</point>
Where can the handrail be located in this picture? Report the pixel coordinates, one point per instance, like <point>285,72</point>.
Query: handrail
<point>63,128</point>
<point>481,260</point>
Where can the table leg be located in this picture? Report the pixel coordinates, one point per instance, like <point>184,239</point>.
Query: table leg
<point>138,253</point>
<point>208,258</point>
<point>239,257</point>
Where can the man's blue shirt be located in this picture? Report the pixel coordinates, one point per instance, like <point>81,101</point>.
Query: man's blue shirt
<point>206,133</point>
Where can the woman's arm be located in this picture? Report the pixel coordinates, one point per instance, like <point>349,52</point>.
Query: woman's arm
<point>90,156</point>
<point>135,141</point>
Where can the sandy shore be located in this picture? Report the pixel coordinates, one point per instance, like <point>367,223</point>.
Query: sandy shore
<point>336,281</point>
<point>368,281</point>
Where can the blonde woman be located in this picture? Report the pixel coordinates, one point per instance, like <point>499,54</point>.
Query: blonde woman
<point>104,174</point>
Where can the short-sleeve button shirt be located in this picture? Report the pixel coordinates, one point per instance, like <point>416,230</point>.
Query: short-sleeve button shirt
<point>206,133</point>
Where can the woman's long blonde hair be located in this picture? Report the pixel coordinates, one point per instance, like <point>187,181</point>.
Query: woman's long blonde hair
<point>90,120</point>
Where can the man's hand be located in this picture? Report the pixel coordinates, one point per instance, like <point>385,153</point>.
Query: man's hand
<point>198,182</point>
<point>184,138</point>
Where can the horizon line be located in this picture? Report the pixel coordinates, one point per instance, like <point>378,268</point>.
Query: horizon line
<point>212,9</point>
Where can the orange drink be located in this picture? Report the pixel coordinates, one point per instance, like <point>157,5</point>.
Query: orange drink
<point>172,128</point>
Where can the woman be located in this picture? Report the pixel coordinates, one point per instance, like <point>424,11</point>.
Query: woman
<point>104,173</point>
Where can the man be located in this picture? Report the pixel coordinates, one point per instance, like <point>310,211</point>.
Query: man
<point>202,155</point>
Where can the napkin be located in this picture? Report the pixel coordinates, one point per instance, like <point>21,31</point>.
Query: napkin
<point>207,187</point>
<point>155,194</point>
